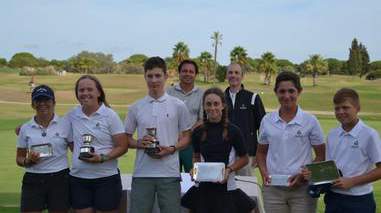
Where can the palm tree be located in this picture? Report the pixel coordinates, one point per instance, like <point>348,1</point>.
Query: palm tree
<point>180,52</point>
<point>206,63</point>
<point>239,55</point>
<point>216,37</point>
<point>267,64</point>
<point>316,64</point>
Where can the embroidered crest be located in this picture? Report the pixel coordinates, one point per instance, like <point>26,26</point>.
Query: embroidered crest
<point>355,144</point>
<point>299,134</point>
<point>243,106</point>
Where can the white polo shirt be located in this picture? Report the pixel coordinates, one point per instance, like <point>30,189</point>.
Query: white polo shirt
<point>355,153</point>
<point>290,144</point>
<point>56,133</point>
<point>170,116</point>
<point>102,124</point>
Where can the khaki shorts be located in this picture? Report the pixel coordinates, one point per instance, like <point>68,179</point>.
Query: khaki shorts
<point>279,199</point>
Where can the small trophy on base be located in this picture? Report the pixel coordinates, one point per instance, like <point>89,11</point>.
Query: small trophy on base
<point>153,148</point>
<point>86,149</point>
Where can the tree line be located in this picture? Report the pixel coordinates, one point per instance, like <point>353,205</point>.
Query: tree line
<point>358,63</point>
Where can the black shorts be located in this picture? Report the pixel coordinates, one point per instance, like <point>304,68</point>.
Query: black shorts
<point>214,197</point>
<point>45,191</point>
<point>103,194</point>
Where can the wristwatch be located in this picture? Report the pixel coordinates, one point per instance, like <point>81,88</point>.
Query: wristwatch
<point>174,149</point>
<point>104,158</point>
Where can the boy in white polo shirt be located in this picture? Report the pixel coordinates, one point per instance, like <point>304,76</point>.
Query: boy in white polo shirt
<point>157,175</point>
<point>355,148</point>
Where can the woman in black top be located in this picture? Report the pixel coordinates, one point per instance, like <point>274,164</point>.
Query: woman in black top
<point>217,140</point>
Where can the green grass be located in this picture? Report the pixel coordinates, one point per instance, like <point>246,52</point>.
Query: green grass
<point>123,90</point>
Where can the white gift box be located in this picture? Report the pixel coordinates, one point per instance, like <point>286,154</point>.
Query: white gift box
<point>208,171</point>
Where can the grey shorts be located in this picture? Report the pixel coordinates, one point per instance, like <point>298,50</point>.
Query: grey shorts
<point>145,190</point>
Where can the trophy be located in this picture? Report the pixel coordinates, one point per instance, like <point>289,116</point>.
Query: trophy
<point>323,174</point>
<point>86,149</point>
<point>208,171</point>
<point>44,150</point>
<point>152,148</point>
<point>279,180</point>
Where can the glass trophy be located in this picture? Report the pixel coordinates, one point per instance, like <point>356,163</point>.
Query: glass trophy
<point>153,148</point>
<point>86,149</point>
<point>45,150</point>
<point>323,172</point>
<point>208,171</point>
<point>279,180</point>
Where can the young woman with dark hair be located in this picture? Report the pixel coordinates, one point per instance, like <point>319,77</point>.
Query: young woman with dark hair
<point>217,140</point>
<point>42,150</point>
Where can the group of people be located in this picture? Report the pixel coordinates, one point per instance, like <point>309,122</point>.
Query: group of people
<point>91,183</point>
<point>192,125</point>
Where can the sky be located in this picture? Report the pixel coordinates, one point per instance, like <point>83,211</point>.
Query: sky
<point>290,29</point>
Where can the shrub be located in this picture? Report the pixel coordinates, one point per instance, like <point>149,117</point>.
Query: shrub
<point>9,70</point>
<point>376,74</point>
<point>48,70</point>
<point>221,73</point>
<point>125,68</point>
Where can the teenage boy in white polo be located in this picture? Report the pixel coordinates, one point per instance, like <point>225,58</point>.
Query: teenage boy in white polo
<point>157,175</point>
<point>356,148</point>
<point>245,109</point>
<point>192,97</point>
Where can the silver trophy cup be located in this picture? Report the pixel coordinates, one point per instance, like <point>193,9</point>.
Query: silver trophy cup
<point>86,149</point>
<point>152,148</point>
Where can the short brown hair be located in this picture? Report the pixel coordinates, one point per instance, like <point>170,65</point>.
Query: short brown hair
<point>346,94</point>
<point>155,62</point>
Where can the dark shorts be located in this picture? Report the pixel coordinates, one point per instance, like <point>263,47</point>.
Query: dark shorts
<point>45,191</point>
<point>338,203</point>
<point>102,194</point>
<point>214,197</point>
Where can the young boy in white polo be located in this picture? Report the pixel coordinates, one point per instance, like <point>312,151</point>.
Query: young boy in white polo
<point>157,175</point>
<point>356,148</point>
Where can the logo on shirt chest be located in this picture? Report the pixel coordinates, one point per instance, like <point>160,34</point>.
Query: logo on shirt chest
<point>98,126</point>
<point>355,144</point>
<point>243,107</point>
<point>299,134</point>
